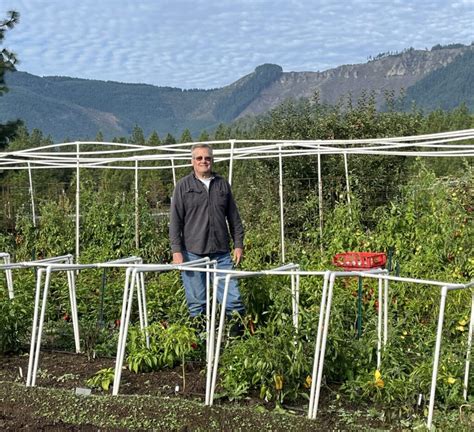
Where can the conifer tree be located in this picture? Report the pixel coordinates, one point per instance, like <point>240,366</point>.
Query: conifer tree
<point>137,136</point>
<point>154,139</point>
<point>7,63</point>
<point>204,136</point>
<point>99,137</point>
<point>186,136</point>
<point>169,139</point>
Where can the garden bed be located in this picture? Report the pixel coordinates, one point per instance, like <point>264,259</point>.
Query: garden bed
<point>149,401</point>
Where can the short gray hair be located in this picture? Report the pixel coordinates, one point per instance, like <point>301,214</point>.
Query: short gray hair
<point>201,145</point>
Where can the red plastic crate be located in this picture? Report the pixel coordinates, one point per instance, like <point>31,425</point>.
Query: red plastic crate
<point>359,260</point>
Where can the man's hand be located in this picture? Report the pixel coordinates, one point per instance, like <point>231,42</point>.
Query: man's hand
<point>238,255</point>
<point>178,258</point>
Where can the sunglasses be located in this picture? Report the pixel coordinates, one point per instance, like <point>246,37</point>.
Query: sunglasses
<point>200,158</point>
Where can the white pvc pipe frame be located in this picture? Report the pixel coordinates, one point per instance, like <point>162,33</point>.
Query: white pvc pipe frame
<point>132,279</point>
<point>214,346</point>
<point>432,145</point>
<point>8,266</point>
<point>8,274</point>
<point>133,274</point>
<point>325,309</point>
<point>323,327</point>
<point>46,267</point>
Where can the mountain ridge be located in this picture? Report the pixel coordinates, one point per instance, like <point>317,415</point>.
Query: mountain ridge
<point>78,108</point>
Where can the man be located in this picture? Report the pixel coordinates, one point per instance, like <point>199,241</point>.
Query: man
<point>203,211</point>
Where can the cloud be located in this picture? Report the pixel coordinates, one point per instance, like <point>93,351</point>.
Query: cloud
<point>212,43</point>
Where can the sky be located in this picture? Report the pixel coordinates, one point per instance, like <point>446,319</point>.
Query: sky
<point>213,43</point>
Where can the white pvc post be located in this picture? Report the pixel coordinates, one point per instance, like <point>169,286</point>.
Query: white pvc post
<point>317,349</point>
<point>32,196</point>
<point>137,219</point>
<point>231,160</point>
<point>78,200</point>
<point>118,363</point>
<point>434,376</point>
<point>136,284</point>
<point>297,300</point>
<point>208,306</point>
<point>219,339</point>
<point>295,297</point>
<point>40,325</point>
<point>293,300</point>
<point>39,276</point>
<point>468,353</point>
<point>126,310</point>
<point>145,309</point>
<point>126,323</point>
<point>320,199</point>
<point>212,335</point>
<point>379,323</point>
<point>8,275</point>
<point>37,329</point>
<point>174,171</point>
<point>141,298</point>
<point>327,315</point>
<point>348,187</point>
<point>385,313</point>
<point>282,220</point>
<point>74,316</point>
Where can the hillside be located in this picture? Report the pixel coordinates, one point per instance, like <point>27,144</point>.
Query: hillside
<point>388,73</point>
<point>445,88</point>
<point>75,108</point>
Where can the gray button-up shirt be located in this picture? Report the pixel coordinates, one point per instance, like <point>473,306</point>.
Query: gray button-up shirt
<point>199,217</point>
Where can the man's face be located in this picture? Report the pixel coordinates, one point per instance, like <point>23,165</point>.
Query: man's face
<point>202,162</point>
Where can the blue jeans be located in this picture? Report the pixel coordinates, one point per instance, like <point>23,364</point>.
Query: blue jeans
<point>195,286</point>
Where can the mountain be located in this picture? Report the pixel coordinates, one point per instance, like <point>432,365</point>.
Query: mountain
<point>446,87</point>
<point>386,73</point>
<point>74,108</point>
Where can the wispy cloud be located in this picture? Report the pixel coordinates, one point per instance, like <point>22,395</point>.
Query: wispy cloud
<point>211,43</point>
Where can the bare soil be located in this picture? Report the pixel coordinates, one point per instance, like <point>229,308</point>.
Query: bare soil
<point>147,401</point>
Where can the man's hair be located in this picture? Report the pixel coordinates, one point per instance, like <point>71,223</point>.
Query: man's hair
<point>199,145</point>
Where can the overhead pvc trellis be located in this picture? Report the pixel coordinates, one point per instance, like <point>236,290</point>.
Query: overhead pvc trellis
<point>75,155</point>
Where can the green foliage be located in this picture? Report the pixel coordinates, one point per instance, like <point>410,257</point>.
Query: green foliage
<point>153,139</point>
<point>186,136</point>
<point>273,362</point>
<point>56,233</point>
<point>204,136</point>
<point>25,237</point>
<point>7,58</point>
<point>14,325</point>
<point>169,345</point>
<point>166,300</point>
<point>137,136</point>
<point>96,340</point>
<point>101,379</point>
<point>7,63</point>
<point>430,227</point>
